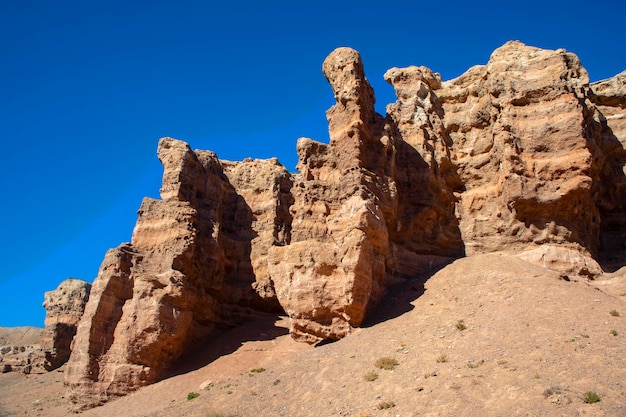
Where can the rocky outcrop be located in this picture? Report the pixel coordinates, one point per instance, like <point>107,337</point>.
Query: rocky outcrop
<point>520,155</point>
<point>187,271</point>
<point>37,350</point>
<point>334,264</point>
<point>609,97</point>
<point>426,221</point>
<point>21,350</point>
<point>64,308</point>
<point>524,151</point>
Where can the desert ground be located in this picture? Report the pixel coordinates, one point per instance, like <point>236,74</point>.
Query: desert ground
<point>489,335</point>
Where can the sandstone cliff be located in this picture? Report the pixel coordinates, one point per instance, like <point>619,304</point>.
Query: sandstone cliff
<point>187,270</point>
<point>520,155</point>
<point>64,309</point>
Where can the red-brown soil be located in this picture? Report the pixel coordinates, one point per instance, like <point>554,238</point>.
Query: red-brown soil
<point>534,343</point>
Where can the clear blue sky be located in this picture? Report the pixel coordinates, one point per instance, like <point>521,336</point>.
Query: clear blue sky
<point>88,87</point>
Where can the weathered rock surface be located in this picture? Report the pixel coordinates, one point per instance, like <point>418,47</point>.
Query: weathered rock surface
<point>525,150</point>
<point>64,308</point>
<point>334,265</point>
<point>609,96</point>
<point>520,155</point>
<point>187,270</point>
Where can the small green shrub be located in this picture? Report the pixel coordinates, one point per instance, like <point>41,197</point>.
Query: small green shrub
<point>591,397</point>
<point>370,376</point>
<point>386,363</point>
<point>460,325</point>
<point>192,395</point>
<point>614,332</point>
<point>384,405</point>
<point>442,358</point>
<point>615,313</point>
<point>257,370</point>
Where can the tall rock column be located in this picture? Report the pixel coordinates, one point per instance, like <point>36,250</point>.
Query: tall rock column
<point>64,308</point>
<point>151,296</point>
<point>424,172</point>
<point>334,266</point>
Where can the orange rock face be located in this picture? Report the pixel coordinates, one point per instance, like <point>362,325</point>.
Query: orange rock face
<point>524,150</point>
<point>520,155</point>
<point>335,263</point>
<point>64,309</point>
<point>187,270</point>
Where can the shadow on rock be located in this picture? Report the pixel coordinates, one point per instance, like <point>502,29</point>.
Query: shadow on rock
<point>400,296</point>
<point>226,341</point>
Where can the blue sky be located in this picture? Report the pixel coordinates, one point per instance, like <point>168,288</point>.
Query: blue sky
<point>88,87</point>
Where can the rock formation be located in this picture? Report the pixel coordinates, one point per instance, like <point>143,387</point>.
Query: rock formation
<point>526,152</point>
<point>37,350</point>
<point>64,308</point>
<point>187,270</point>
<point>609,97</point>
<point>520,155</point>
<point>334,265</point>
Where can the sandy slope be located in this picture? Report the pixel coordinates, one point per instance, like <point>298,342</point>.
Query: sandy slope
<point>534,344</point>
<point>20,336</point>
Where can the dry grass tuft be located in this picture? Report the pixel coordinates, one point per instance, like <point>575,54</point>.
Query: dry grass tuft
<point>384,405</point>
<point>370,376</point>
<point>386,363</point>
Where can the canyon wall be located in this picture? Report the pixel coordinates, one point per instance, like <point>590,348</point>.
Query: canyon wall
<point>522,155</point>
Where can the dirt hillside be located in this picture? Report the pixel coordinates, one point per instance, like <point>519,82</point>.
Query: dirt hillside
<point>489,335</point>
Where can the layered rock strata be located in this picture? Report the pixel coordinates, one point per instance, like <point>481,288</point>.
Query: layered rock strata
<point>335,263</point>
<point>188,270</point>
<point>526,150</point>
<point>64,308</point>
<point>520,155</point>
